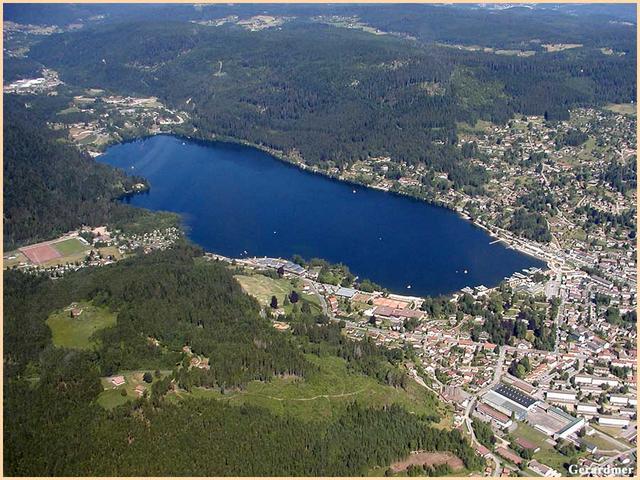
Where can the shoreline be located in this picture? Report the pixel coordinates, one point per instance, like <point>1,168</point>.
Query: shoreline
<point>511,243</point>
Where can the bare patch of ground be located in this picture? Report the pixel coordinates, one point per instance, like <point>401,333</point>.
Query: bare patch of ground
<point>429,458</point>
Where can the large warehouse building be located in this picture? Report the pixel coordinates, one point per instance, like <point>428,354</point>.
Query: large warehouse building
<point>510,400</point>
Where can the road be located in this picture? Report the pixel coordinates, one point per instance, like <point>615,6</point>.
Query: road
<point>621,446</point>
<point>313,286</point>
<point>497,374</point>
<point>609,461</point>
<point>418,379</point>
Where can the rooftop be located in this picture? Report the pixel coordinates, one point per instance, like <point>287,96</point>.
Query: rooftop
<point>514,395</point>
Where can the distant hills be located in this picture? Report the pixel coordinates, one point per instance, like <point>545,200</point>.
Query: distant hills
<point>484,24</point>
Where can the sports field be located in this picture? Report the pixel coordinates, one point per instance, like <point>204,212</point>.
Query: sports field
<point>70,247</point>
<point>41,253</point>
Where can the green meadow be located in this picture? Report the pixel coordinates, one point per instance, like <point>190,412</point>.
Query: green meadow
<point>326,393</point>
<point>78,332</point>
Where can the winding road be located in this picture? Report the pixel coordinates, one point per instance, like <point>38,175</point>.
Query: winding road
<point>497,373</point>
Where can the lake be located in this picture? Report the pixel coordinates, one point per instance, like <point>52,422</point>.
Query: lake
<point>239,201</point>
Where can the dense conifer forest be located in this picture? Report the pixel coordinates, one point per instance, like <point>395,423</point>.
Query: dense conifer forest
<point>50,187</point>
<point>53,425</point>
<point>336,94</point>
<point>327,94</point>
<point>313,90</point>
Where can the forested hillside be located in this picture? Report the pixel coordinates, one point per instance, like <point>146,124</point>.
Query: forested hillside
<point>486,24</point>
<point>50,187</point>
<point>53,425</point>
<point>333,93</point>
<point>326,86</point>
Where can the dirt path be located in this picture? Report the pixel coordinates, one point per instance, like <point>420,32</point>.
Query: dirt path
<point>306,399</point>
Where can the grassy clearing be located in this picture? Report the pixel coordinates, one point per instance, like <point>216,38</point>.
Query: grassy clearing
<point>577,234</point>
<point>601,442</point>
<point>547,454</point>
<point>263,288</point>
<point>586,153</point>
<point>623,108</point>
<point>71,246</point>
<point>88,140</point>
<point>77,332</point>
<point>529,433</point>
<point>112,397</point>
<point>113,251</point>
<point>326,394</point>
<point>481,126</point>
<point>612,432</point>
<point>69,110</point>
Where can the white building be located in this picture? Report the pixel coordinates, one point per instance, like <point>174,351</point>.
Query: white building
<point>587,409</point>
<point>612,382</point>
<point>572,428</point>
<point>596,381</point>
<point>609,421</point>
<point>583,379</point>
<point>618,400</point>
<point>561,396</point>
<point>543,469</point>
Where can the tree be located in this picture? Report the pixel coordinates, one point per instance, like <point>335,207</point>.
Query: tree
<point>274,302</point>
<point>294,297</point>
<point>280,271</point>
<point>147,377</point>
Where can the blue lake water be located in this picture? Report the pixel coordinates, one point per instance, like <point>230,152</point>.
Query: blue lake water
<point>236,199</point>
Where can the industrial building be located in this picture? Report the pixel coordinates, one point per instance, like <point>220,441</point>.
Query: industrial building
<point>610,421</point>
<point>510,401</point>
<point>500,418</point>
<point>587,409</point>
<point>564,396</point>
